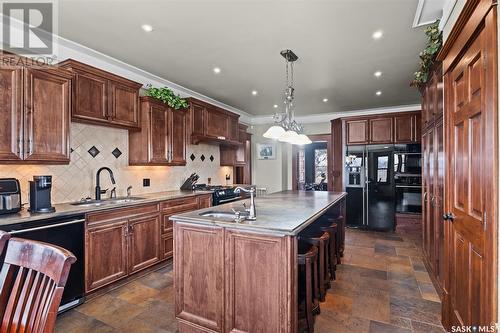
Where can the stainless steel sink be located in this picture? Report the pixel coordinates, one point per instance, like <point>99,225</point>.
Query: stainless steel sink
<point>114,201</point>
<point>225,216</point>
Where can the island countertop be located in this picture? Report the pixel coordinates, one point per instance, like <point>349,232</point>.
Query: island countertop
<point>287,212</point>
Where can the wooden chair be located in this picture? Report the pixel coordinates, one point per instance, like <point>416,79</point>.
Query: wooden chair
<point>322,242</point>
<point>4,238</point>
<point>332,231</point>
<point>32,281</point>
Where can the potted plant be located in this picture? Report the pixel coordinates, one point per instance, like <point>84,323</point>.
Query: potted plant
<point>167,96</point>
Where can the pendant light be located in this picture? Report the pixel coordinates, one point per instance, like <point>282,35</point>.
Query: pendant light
<point>285,128</point>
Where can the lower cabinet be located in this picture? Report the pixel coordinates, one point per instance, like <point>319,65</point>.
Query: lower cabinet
<point>220,269</point>
<point>144,242</point>
<point>122,241</point>
<point>106,253</point>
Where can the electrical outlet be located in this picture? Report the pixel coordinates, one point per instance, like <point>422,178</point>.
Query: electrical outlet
<point>146,182</point>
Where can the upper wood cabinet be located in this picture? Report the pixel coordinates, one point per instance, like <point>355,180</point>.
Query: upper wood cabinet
<point>382,129</point>
<point>407,128</point>
<point>103,98</point>
<point>212,124</point>
<point>432,98</point>
<point>162,138</point>
<point>36,106</point>
<point>356,131</point>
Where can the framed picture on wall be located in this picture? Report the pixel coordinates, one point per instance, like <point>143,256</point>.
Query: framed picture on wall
<point>266,151</point>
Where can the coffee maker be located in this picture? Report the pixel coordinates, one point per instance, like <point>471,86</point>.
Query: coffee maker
<point>40,201</point>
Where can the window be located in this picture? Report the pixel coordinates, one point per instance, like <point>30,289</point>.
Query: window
<point>302,167</point>
<point>382,169</point>
<point>320,165</point>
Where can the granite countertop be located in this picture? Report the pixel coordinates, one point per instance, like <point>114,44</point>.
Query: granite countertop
<point>282,213</point>
<point>66,209</point>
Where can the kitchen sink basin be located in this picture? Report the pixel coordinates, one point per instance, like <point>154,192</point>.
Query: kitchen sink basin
<point>223,215</point>
<point>114,201</point>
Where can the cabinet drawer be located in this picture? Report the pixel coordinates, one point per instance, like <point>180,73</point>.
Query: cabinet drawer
<point>179,205</point>
<point>100,217</point>
<point>166,224</point>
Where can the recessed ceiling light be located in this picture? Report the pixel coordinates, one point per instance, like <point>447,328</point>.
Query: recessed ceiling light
<point>216,70</point>
<point>147,27</point>
<point>377,34</point>
<point>275,106</point>
<point>378,93</point>
<point>378,74</point>
<point>254,92</point>
<point>325,100</point>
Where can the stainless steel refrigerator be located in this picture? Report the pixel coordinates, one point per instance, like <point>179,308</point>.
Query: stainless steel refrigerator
<point>369,172</point>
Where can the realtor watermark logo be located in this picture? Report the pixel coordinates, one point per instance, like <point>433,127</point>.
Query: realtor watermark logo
<point>28,28</point>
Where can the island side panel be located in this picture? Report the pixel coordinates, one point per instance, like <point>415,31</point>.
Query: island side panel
<point>260,283</point>
<point>199,277</point>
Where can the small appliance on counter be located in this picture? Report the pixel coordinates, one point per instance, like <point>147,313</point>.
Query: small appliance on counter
<point>40,199</point>
<point>10,196</point>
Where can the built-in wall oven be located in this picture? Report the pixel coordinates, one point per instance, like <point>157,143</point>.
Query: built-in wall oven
<point>408,178</point>
<point>66,232</point>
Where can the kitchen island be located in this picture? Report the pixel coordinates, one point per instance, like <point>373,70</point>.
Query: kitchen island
<point>242,277</point>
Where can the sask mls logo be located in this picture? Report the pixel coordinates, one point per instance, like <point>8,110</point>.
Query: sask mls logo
<point>28,27</point>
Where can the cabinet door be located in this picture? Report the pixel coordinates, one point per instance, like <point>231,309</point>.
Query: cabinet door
<point>403,128</point>
<point>158,134</point>
<point>90,101</point>
<point>47,105</point>
<point>178,137</point>
<point>205,201</point>
<point>198,119</point>
<point>11,114</point>
<point>428,196</point>
<point>124,104</point>
<point>217,124</point>
<point>233,128</point>
<point>167,245</point>
<point>105,254</point>
<point>356,132</point>
<point>227,156</point>
<point>199,277</point>
<point>381,130</point>
<point>438,202</point>
<point>144,235</point>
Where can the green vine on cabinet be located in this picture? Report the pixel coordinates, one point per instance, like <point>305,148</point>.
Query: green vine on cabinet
<point>167,96</point>
<point>428,55</point>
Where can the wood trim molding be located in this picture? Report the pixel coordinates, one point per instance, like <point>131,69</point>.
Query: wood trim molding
<point>467,23</point>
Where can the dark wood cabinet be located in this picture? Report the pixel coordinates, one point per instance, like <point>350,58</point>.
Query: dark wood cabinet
<point>144,242</point>
<point>433,186</point>
<point>162,138</point>
<point>381,130</point>
<point>36,115</point>
<point>407,128</point>
<point>356,132</point>
<point>11,113</point>
<point>227,156</point>
<point>103,98</point>
<point>212,124</point>
<point>47,104</point>
<point>106,253</point>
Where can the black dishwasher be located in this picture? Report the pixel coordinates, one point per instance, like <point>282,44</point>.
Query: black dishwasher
<point>66,232</point>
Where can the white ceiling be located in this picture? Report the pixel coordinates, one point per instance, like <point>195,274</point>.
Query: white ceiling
<point>337,55</point>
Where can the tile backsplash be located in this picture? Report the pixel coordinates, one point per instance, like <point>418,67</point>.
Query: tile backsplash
<point>94,146</point>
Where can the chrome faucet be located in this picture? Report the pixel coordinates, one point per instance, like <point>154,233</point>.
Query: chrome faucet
<point>252,216</point>
<point>98,191</point>
<point>112,194</point>
<point>129,191</point>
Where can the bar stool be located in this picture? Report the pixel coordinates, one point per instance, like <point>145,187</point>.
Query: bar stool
<point>308,304</point>
<point>322,242</point>
<point>340,238</point>
<point>332,232</point>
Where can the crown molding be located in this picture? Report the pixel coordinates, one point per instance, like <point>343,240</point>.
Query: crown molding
<point>326,117</point>
<point>71,49</point>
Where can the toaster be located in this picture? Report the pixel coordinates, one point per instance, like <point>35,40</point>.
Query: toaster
<point>10,196</point>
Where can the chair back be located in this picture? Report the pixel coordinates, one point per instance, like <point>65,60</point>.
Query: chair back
<point>4,238</point>
<point>32,281</point>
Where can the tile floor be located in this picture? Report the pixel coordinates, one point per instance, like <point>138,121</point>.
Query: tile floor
<point>382,286</point>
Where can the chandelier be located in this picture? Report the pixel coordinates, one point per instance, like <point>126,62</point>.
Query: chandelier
<point>285,128</point>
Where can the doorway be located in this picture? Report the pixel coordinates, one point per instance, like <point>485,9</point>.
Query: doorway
<point>311,164</point>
